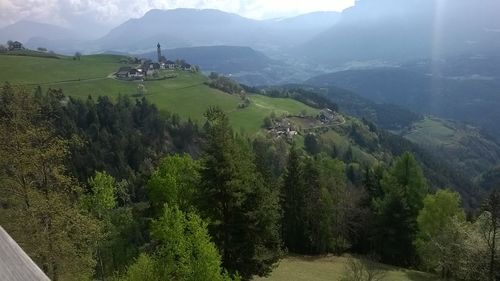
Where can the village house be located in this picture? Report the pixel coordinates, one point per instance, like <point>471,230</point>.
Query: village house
<point>123,72</point>
<point>186,66</point>
<point>283,128</point>
<point>326,115</point>
<point>127,72</point>
<point>148,67</point>
<point>136,73</point>
<point>169,64</point>
<point>16,45</point>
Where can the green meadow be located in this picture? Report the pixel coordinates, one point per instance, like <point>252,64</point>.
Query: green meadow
<point>185,94</point>
<point>333,269</point>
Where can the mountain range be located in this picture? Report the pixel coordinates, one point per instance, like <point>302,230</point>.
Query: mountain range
<point>398,31</point>
<point>427,56</point>
<point>463,88</point>
<point>24,31</point>
<point>182,28</point>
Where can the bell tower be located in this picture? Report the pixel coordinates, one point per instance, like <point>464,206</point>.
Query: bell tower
<point>158,50</point>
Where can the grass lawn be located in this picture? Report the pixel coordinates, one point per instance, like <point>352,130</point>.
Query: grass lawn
<point>251,118</point>
<point>332,269</point>
<point>33,70</point>
<point>186,94</point>
<point>433,132</point>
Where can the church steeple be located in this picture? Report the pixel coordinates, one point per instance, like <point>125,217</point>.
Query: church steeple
<point>159,52</point>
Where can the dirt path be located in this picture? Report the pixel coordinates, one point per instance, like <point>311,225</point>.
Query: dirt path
<point>64,81</point>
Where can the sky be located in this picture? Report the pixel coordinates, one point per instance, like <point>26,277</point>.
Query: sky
<point>112,12</point>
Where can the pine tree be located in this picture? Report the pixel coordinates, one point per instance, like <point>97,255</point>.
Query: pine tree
<point>404,188</point>
<point>243,214</point>
<point>293,204</point>
<point>318,210</point>
<point>311,144</point>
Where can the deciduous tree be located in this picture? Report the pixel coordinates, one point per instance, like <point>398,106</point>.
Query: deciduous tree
<point>38,197</point>
<point>439,243</point>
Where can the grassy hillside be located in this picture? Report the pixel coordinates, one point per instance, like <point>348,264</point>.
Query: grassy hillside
<point>186,94</point>
<point>32,70</point>
<point>332,269</point>
<point>470,97</point>
<point>464,146</point>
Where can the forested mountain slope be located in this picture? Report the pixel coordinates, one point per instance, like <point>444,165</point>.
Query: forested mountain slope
<point>127,186</point>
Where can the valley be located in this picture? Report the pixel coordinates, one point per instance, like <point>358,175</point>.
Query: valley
<point>250,140</point>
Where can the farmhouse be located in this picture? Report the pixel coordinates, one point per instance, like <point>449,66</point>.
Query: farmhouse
<point>186,66</point>
<point>123,72</point>
<point>16,45</point>
<point>283,128</point>
<point>169,64</point>
<point>136,73</point>
<point>326,115</point>
<point>127,72</point>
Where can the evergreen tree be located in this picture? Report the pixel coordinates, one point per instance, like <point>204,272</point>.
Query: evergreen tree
<point>404,188</point>
<point>293,204</point>
<point>341,203</point>
<point>243,212</point>
<point>311,144</point>
<point>371,182</point>
<point>270,159</point>
<point>318,210</point>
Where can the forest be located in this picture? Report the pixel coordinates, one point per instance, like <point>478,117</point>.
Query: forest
<point>102,189</point>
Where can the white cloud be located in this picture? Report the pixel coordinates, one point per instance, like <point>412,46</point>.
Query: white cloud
<point>112,12</point>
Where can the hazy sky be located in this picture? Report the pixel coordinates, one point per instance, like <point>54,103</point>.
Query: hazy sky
<point>111,12</point>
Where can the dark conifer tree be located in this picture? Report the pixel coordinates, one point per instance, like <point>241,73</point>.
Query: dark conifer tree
<point>404,188</point>
<point>293,202</point>
<point>243,212</point>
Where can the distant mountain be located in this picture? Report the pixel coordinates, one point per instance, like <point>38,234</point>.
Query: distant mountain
<point>221,59</point>
<point>315,20</point>
<point>191,27</point>
<point>384,115</point>
<point>465,147</point>
<point>382,85</point>
<point>33,35</point>
<point>464,89</point>
<point>398,31</point>
<point>297,30</point>
<point>25,30</point>
<point>243,64</point>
